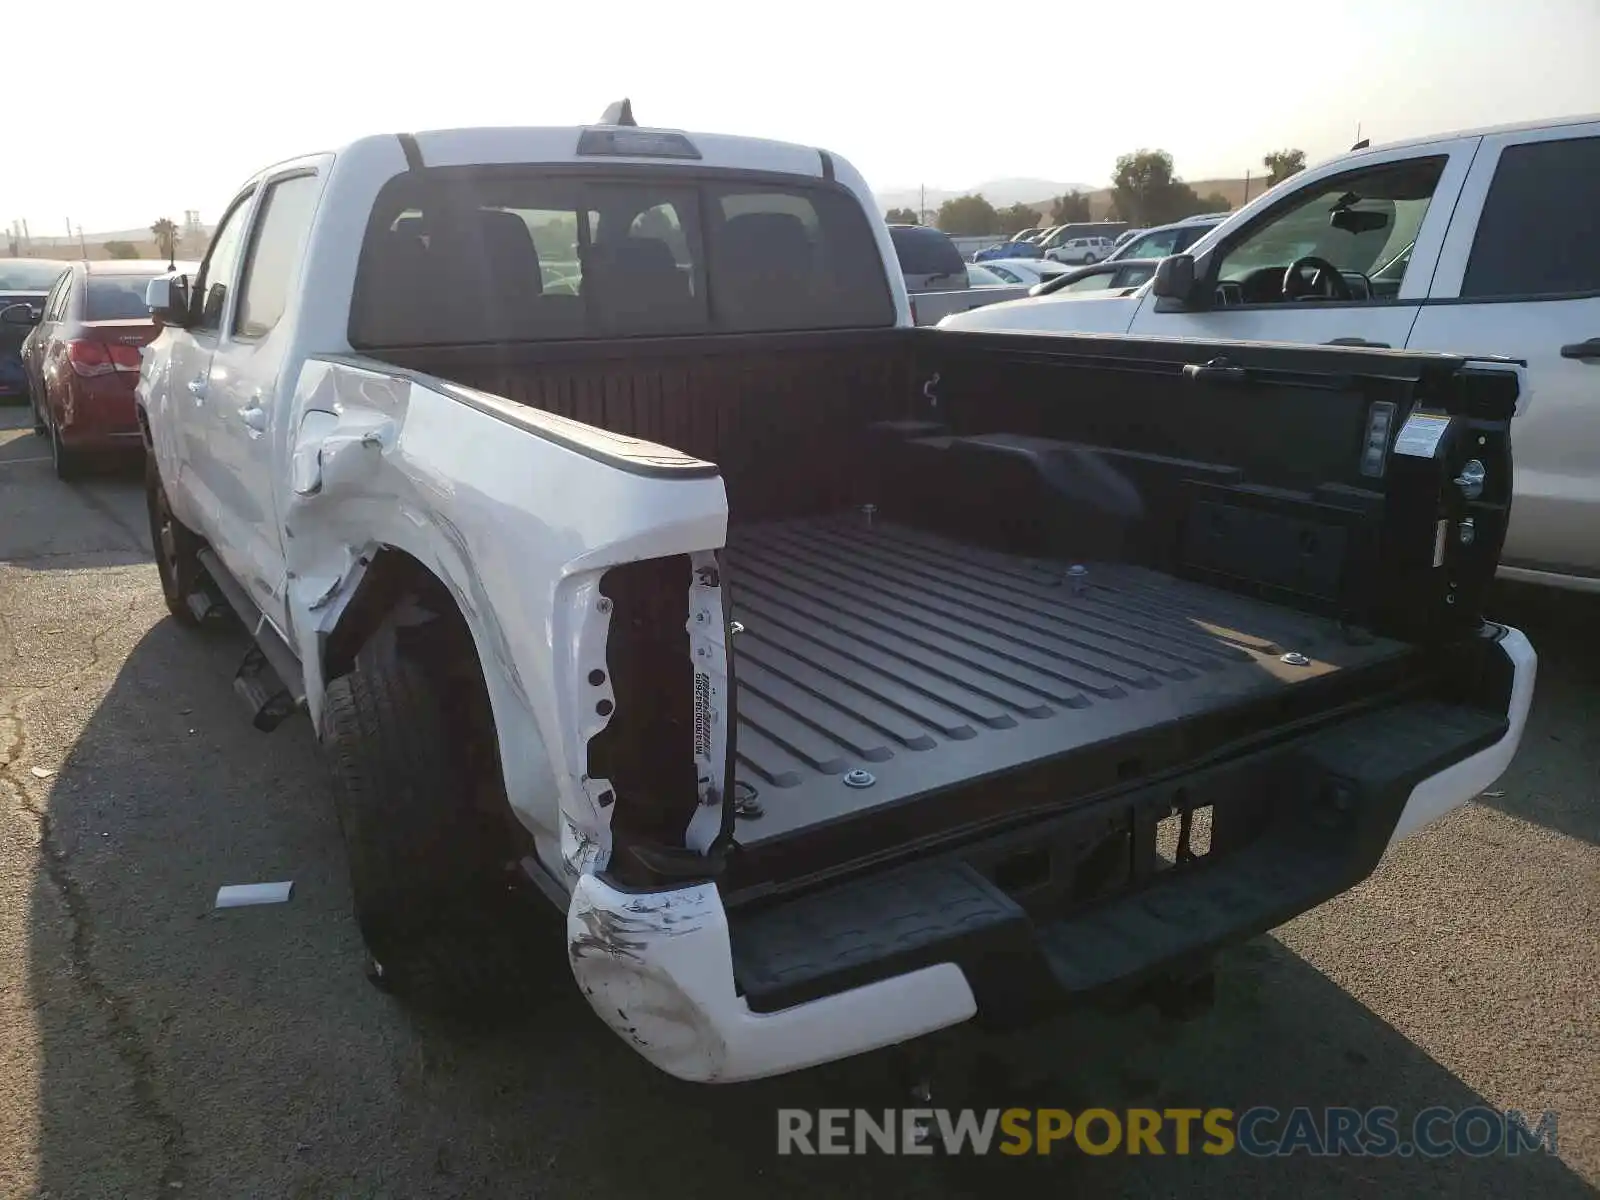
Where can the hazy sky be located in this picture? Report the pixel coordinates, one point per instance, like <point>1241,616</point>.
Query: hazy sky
<point>910,92</point>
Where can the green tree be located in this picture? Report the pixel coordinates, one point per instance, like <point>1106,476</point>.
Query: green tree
<point>1281,164</point>
<point>1070,209</point>
<point>1140,186</point>
<point>122,250</point>
<point>1144,191</point>
<point>1016,218</point>
<point>166,235</point>
<point>968,215</point>
<point>901,216</point>
<point>1214,202</point>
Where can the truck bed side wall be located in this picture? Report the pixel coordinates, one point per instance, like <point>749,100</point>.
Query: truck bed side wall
<point>781,415</point>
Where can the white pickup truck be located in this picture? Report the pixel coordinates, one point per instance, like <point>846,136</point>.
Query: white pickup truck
<point>837,681</point>
<point>1479,242</point>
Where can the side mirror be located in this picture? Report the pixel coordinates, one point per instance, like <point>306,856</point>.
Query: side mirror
<point>167,299</point>
<point>1174,277</point>
<point>21,314</point>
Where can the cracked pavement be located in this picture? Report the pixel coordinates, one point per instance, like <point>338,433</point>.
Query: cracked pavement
<point>150,1046</point>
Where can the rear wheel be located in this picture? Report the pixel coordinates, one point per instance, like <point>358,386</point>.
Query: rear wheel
<point>431,872</point>
<point>40,429</point>
<point>176,548</point>
<point>68,462</point>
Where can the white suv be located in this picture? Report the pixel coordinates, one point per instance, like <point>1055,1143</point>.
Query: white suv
<point>1470,243</point>
<point>1081,250</point>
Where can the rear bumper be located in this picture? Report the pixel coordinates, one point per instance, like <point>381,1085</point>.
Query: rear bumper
<point>891,956</point>
<point>98,413</point>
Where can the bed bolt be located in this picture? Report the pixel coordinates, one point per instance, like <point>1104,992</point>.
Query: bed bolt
<point>867,511</point>
<point>746,804</point>
<point>859,778</point>
<point>1295,659</point>
<point>735,628</point>
<point>604,605</point>
<point>1467,532</point>
<point>1078,578</point>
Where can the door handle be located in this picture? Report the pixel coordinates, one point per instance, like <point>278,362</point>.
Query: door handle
<point>1355,341</point>
<point>254,417</point>
<point>1589,349</point>
<point>197,387</point>
<point>1218,370</point>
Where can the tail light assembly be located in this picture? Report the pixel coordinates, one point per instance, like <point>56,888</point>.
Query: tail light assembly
<point>89,359</point>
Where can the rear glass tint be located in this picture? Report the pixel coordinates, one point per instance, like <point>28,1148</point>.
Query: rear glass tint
<point>118,297</point>
<point>924,251</point>
<point>496,254</point>
<point>1537,235</point>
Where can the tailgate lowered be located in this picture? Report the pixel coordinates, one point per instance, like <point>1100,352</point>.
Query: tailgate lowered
<point>1292,827</point>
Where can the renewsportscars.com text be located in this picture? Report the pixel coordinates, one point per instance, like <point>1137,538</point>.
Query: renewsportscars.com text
<point>1260,1132</point>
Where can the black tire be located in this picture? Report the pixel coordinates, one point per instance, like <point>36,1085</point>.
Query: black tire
<point>68,462</point>
<point>430,876</point>
<point>40,429</point>
<point>176,548</point>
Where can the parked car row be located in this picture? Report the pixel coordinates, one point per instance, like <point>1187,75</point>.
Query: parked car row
<point>1080,243</point>
<point>1476,243</point>
<point>78,361</point>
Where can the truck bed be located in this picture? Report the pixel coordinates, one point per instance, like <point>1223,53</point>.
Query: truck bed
<point>928,663</point>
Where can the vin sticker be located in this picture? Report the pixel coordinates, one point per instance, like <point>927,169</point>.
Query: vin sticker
<point>1420,435</point>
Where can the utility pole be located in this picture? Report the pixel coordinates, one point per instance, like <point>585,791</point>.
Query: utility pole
<point>82,245</point>
<point>27,239</point>
<point>1246,199</point>
<point>922,204</point>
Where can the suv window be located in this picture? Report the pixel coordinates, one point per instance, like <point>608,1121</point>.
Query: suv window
<point>216,273</point>
<point>1358,222</point>
<point>282,223</point>
<point>521,254</point>
<point>1537,234</point>
<point>924,251</point>
<point>1158,243</point>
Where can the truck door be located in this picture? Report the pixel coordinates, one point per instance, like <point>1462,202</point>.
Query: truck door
<point>1345,256</point>
<point>192,351</point>
<point>246,372</point>
<point>1519,275</point>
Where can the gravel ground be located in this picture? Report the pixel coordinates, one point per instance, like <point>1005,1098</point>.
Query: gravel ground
<point>152,1047</point>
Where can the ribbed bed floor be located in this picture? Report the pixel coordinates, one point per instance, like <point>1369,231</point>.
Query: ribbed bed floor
<point>926,662</point>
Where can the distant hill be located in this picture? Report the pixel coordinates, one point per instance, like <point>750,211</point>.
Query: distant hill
<point>998,192</point>
<point>1038,194</point>
<point>190,246</point>
<point>1232,190</point>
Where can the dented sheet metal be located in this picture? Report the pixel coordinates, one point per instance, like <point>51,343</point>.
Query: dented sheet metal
<point>657,967</point>
<point>517,526</point>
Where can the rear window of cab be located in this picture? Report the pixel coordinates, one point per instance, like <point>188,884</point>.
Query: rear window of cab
<point>508,254</point>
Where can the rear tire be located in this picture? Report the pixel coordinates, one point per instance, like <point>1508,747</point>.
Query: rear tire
<point>40,429</point>
<point>68,463</point>
<point>433,888</point>
<point>176,548</point>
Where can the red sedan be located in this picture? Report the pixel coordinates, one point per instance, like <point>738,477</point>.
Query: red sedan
<point>82,359</point>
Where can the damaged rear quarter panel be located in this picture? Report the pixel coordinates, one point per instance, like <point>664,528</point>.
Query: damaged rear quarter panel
<point>518,526</point>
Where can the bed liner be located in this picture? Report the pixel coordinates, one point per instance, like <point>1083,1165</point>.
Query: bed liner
<point>929,663</point>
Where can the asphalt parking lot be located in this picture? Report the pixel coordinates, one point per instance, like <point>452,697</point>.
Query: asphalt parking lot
<point>150,1046</point>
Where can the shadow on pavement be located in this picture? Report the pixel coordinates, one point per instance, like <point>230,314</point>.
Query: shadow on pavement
<point>243,1053</point>
<point>50,524</point>
<point>1562,740</point>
